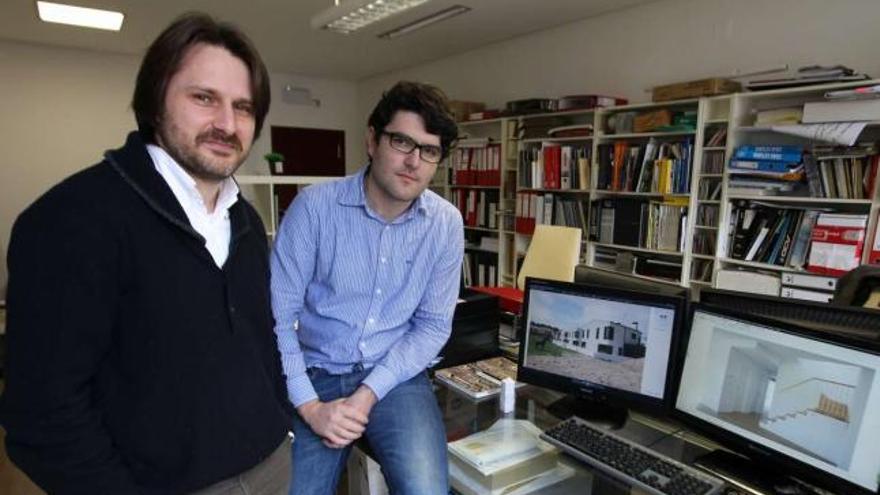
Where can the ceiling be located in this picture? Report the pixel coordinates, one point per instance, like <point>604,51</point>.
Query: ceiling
<point>281,31</point>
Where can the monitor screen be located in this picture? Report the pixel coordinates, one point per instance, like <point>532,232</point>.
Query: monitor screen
<point>612,344</point>
<point>774,388</point>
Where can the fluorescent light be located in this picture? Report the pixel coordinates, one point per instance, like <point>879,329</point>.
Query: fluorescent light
<point>80,16</point>
<point>425,21</point>
<point>355,14</point>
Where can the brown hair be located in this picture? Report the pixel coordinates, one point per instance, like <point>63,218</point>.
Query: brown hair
<point>426,100</point>
<point>163,59</point>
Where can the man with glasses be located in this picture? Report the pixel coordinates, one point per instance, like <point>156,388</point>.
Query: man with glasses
<point>365,276</point>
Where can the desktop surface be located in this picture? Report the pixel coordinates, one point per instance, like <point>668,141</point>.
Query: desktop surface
<point>464,417</point>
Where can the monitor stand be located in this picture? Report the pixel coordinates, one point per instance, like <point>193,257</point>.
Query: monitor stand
<point>590,410</point>
<point>745,474</point>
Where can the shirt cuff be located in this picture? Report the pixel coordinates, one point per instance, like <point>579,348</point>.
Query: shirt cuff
<point>300,390</point>
<point>380,381</point>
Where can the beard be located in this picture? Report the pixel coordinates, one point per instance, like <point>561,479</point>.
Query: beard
<point>200,165</point>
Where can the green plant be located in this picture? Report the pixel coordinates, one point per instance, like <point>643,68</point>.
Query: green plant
<point>274,157</point>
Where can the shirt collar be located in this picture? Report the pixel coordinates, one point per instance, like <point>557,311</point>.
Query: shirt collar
<point>184,187</point>
<point>352,193</point>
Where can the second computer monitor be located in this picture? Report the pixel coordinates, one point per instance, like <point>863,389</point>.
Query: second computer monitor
<point>608,346</point>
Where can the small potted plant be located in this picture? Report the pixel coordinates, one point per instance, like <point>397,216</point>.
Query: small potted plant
<point>276,162</point>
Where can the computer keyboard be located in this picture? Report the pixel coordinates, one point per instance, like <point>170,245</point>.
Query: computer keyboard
<point>633,463</point>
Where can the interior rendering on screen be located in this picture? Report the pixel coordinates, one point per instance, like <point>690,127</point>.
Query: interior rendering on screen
<point>601,338</point>
<point>813,401</point>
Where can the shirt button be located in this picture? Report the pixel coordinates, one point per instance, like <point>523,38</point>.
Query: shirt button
<point>232,309</point>
<point>371,321</point>
<point>378,291</point>
<point>362,345</point>
<point>382,259</point>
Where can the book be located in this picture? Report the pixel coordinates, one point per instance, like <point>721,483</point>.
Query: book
<point>836,243</point>
<point>508,453</point>
<point>788,154</point>
<point>747,281</point>
<point>805,294</point>
<point>841,111</point>
<point>809,281</point>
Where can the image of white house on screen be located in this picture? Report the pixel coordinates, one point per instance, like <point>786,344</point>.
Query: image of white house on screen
<point>811,403</point>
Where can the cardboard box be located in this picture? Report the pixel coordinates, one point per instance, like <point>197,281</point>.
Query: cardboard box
<point>647,122</point>
<point>695,89</point>
<point>461,110</point>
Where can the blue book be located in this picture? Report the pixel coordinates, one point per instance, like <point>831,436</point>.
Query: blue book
<point>763,165</point>
<point>789,154</point>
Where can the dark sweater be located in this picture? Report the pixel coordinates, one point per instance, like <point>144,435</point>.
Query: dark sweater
<point>135,364</point>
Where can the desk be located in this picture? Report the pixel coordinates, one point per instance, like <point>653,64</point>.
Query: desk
<point>463,417</point>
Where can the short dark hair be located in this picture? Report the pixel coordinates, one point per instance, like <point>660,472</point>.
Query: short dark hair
<point>163,60</point>
<point>426,100</point>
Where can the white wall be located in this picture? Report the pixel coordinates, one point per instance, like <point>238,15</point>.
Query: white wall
<point>60,109</point>
<point>625,52</point>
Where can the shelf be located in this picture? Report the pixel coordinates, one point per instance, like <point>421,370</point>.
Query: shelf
<point>701,282</point>
<point>464,186</point>
<point>558,113</point>
<point>714,148</point>
<point>761,266</point>
<point>716,121</point>
<point>573,139</point>
<point>707,257</point>
<point>705,227</point>
<point>799,199</point>
<point>481,229</point>
<point>644,135</point>
<point>709,201</point>
<point>282,179</point>
<point>775,128</point>
<point>606,192</point>
<point>658,105</point>
<point>482,250</point>
<point>540,189</point>
<point>471,123</point>
<point>714,176</point>
<point>638,249</point>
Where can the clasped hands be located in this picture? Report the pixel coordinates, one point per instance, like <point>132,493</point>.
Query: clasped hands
<point>341,421</point>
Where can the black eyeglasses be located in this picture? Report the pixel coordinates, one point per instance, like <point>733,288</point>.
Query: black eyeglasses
<point>403,143</point>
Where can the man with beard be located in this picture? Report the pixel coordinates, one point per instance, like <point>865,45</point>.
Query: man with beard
<point>141,354</point>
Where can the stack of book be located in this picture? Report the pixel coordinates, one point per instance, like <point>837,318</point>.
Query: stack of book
<point>848,105</point>
<point>656,225</point>
<point>478,207</point>
<point>508,458</point>
<point>842,172</point>
<point>776,236</point>
<point>766,170</point>
<point>808,287</point>
<point>548,209</point>
<point>553,166</point>
<point>645,167</point>
<point>476,162</point>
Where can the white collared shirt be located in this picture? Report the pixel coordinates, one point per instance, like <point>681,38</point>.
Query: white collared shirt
<point>215,226</point>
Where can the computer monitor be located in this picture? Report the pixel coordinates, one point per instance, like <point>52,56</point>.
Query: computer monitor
<point>608,349</point>
<point>857,323</point>
<point>784,396</point>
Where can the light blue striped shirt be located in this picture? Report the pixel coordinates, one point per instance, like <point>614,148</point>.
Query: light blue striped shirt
<point>350,288</point>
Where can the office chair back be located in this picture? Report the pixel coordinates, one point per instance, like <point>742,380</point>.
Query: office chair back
<point>553,254</point>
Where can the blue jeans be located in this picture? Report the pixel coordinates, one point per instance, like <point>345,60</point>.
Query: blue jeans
<point>405,432</point>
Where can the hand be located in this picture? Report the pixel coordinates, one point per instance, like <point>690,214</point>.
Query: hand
<point>363,399</point>
<point>336,422</point>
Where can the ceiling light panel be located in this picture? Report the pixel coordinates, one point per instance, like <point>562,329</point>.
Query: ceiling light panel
<point>80,16</point>
<point>354,14</point>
